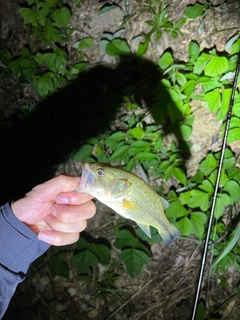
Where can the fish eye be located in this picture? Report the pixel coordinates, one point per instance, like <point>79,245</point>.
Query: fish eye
<point>100,172</point>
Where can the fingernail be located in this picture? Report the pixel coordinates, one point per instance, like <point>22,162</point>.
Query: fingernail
<point>61,199</point>
<point>45,236</point>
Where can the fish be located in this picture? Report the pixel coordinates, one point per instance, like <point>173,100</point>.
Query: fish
<point>129,196</point>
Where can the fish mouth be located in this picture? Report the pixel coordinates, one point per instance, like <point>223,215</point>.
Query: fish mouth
<point>88,178</point>
<point>85,174</point>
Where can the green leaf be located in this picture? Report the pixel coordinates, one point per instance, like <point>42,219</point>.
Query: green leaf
<point>198,220</point>
<point>168,172</point>
<point>223,201</point>
<point>83,260</point>
<point>208,164</point>
<point>53,34</point>
<point>163,165</point>
<point>193,50</point>
<point>199,65</point>
<point>84,44</point>
<point>184,197</point>
<point>50,59</point>
<point>119,153</point>
<point>102,252</point>
<point>29,16</point>
<point>229,245</point>
<point>180,23</point>
<point>145,156</point>
<point>117,136</point>
<point>62,17</point>
<point>236,107</point>
<point>189,87</point>
<point>107,8</point>
<point>117,47</point>
<point>142,47</point>
<point>184,226</point>
<point>236,47</point>
<point>138,133</point>
<point>81,66</point>
<point>186,132</point>
<point>158,144</point>
<point>141,145</point>
<point>44,84</point>
<point>216,66</point>
<point>180,175</point>
<point>173,94</point>
<point>61,269</point>
<point>233,135</point>
<point>209,83</point>
<point>134,260</point>
<point>126,239</point>
<point>199,199</point>
<point>131,164</point>
<point>165,61</point>
<point>213,99</point>
<point>39,58</point>
<point>206,186</point>
<point>226,96</point>
<point>176,210</point>
<point>196,10</point>
<point>180,78</point>
<point>83,153</point>
<point>233,189</point>
<point>43,11</point>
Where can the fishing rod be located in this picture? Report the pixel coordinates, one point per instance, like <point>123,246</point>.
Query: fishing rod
<point>205,250</point>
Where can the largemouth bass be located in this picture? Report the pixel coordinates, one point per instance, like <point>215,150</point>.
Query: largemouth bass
<point>129,196</point>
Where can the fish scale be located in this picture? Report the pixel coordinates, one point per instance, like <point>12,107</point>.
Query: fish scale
<point>129,196</point>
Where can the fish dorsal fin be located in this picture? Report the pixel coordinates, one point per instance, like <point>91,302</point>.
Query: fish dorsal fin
<point>145,228</point>
<point>141,173</point>
<point>165,203</point>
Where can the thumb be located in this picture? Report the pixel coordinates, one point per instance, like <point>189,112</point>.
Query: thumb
<point>48,190</point>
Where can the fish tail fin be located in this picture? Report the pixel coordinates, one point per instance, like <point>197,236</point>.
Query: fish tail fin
<point>169,234</point>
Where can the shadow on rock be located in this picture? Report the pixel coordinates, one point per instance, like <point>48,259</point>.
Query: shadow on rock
<point>33,147</point>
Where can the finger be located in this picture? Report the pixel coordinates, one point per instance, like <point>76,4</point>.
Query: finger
<point>58,238</point>
<point>48,190</point>
<point>73,198</point>
<point>57,225</point>
<point>71,214</point>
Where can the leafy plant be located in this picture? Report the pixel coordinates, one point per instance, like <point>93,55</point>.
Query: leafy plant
<point>46,18</point>
<point>50,68</point>
<point>89,254</point>
<point>160,24</point>
<point>113,45</point>
<point>135,143</point>
<point>134,253</point>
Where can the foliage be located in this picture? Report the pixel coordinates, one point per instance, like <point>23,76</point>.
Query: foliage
<point>207,76</point>
<point>160,24</point>
<point>134,253</point>
<point>50,68</point>
<point>137,143</point>
<point>46,18</point>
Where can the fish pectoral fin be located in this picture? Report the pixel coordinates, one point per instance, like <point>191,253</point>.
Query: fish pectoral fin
<point>145,228</point>
<point>121,187</point>
<point>127,204</point>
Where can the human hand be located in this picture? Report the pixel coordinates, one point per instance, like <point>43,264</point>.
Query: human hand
<point>54,211</point>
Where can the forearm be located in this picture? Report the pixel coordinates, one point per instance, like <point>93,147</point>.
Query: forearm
<point>19,247</point>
